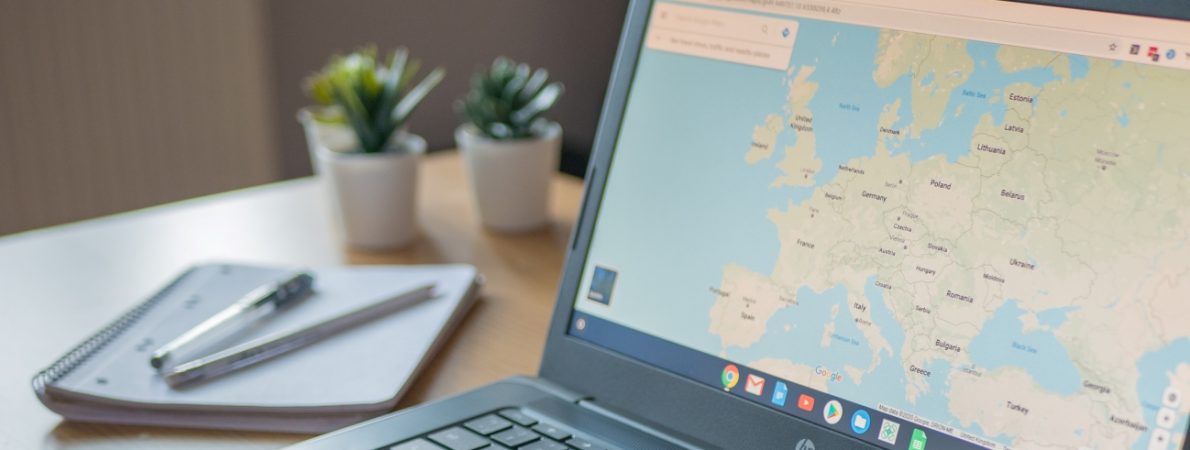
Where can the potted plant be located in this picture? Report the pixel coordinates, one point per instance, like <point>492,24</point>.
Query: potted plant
<point>360,145</point>
<point>509,149</point>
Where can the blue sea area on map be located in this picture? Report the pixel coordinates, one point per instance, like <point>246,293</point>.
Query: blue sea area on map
<point>802,341</point>
<point>1003,343</point>
<point>1079,66</point>
<point>796,334</point>
<point>848,103</point>
<point>1155,368</point>
<point>981,95</point>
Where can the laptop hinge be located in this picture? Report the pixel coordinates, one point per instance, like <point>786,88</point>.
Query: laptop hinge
<point>649,429</point>
<point>550,387</point>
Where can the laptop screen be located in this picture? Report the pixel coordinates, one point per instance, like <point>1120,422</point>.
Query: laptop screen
<point>924,227</point>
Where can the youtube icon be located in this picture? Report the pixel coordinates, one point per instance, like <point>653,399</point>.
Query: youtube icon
<point>805,402</point>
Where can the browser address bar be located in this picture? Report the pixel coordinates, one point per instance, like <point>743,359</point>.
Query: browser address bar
<point>740,38</point>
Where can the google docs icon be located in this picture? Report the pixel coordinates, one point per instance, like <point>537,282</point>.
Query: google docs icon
<point>780,392</point>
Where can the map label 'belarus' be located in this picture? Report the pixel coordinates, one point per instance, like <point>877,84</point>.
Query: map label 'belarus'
<point>1013,195</point>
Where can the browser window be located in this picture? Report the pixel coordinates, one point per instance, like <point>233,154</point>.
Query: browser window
<point>920,224</point>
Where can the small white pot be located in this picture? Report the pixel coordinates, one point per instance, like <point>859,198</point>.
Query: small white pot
<point>511,179</point>
<point>336,137</point>
<point>375,194</point>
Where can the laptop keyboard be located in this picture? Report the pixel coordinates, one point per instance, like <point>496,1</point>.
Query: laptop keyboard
<point>504,429</point>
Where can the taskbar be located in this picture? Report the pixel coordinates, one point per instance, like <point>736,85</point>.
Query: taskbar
<point>880,426</point>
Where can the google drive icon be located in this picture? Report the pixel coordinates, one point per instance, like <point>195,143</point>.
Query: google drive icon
<point>832,412</point>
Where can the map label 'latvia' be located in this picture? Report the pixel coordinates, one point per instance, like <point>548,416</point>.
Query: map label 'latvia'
<point>1014,128</point>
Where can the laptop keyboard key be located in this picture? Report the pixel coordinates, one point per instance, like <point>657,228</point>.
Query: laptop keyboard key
<point>416,444</point>
<point>488,424</point>
<point>553,432</point>
<point>459,439</point>
<point>545,445</point>
<point>582,444</point>
<point>520,418</point>
<point>515,437</point>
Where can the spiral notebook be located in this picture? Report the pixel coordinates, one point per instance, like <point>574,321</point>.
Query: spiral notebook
<point>351,376</point>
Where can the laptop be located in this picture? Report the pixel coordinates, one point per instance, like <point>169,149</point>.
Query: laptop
<point>867,224</point>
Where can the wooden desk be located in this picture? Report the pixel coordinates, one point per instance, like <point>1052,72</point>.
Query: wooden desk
<point>61,284</point>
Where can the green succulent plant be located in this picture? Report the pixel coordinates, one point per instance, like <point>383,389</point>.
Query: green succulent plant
<point>507,100</point>
<point>374,99</point>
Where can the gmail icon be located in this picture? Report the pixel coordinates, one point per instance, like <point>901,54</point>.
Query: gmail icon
<point>754,385</point>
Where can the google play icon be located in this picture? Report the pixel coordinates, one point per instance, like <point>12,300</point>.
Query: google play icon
<point>832,412</point>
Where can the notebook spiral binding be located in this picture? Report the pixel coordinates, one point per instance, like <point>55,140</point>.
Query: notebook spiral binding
<point>80,354</point>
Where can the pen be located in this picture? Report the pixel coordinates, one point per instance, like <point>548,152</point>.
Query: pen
<point>258,350</point>
<point>259,303</point>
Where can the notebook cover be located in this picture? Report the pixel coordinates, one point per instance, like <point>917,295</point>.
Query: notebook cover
<point>359,372</point>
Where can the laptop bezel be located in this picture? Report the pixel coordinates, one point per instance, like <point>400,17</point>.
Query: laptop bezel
<point>657,398</point>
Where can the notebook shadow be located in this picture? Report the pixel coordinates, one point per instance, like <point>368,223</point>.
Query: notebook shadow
<point>71,435</point>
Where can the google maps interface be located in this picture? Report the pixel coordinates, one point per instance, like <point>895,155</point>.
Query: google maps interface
<point>986,238</point>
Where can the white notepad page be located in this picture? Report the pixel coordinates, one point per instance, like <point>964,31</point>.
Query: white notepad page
<point>358,369</point>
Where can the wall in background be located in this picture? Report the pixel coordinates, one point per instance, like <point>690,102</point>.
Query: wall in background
<point>121,104</point>
<point>575,40</point>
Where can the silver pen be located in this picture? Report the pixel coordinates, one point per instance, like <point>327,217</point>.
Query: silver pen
<point>258,350</point>
<point>259,303</point>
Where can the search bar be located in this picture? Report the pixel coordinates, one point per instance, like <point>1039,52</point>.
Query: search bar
<point>725,36</point>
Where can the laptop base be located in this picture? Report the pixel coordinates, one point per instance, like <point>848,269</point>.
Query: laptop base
<point>518,412</point>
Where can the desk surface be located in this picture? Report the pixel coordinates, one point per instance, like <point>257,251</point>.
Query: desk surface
<point>61,284</point>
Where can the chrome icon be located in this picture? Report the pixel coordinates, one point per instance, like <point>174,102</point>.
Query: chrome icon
<point>730,377</point>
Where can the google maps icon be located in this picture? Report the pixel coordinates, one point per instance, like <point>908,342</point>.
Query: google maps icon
<point>730,377</point>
